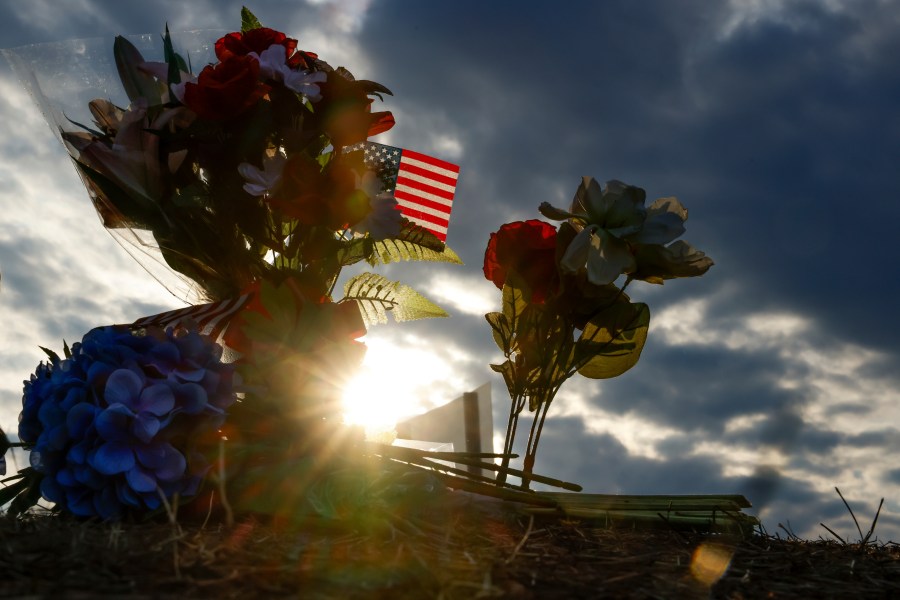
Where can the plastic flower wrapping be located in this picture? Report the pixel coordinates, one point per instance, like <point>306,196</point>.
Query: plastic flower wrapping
<point>233,167</point>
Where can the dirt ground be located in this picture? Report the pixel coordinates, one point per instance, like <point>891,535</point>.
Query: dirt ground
<point>457,554</point>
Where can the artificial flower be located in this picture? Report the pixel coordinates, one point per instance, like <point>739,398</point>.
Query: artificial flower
<point>132,159</point>
<point>224,90</point>
<point>256,41</point>
<point>526,250</point>
<point>273,65</point>
<point>384,220</point>
<point>262,182</point>
<point>611,222</point>
<point>119,422</point>
<point>656,263</point>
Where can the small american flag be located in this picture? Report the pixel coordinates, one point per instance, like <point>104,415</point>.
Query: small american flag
<point>210,318</point>
<point>423,186</point>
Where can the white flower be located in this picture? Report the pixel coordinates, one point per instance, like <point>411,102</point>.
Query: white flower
<point>305,83</point>
<point>656,263</point>
<point>384,220</point>
<point>273,65</point>
<point>604,256</point>
<point>612,223</point>
<point>261,182</point>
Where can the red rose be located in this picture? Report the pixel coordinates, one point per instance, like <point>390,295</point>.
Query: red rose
<point>528,250</point>
<point>256,40</point>
<point>225,90</point>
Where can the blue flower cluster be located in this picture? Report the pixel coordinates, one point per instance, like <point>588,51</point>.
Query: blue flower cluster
<point>119,421</point>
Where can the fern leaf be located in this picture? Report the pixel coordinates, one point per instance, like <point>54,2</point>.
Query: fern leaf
<point>377,296</point>
<point>413,243</point>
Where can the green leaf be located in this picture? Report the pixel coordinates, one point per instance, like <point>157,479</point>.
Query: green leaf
<point>248,20</point>
<point>354,251</point>
<point>612,341</point>
<point>511,378</point>
<point>378,295</point>
<point>54,357</point>
<point>137,83</point>
<point>27,492</point>
<point>67,352</point>
<point>9,492</point>
<point>514,306</point>
<point>413,243</point>
<point>502,331</point>
<point>175,62</point>
<point>391,251</point>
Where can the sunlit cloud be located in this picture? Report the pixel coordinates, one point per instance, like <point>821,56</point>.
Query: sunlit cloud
<point>468,294</point>
<point>347,16</point>
<point>747,13</point>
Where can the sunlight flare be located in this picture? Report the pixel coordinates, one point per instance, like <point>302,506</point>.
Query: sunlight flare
<point>393,383</point>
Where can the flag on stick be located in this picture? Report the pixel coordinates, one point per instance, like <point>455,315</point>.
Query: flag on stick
<point>423,185</point>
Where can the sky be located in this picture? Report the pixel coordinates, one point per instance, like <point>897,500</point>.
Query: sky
<point>775,122</point>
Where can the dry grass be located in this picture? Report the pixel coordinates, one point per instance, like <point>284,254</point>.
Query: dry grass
<point>480,550</point>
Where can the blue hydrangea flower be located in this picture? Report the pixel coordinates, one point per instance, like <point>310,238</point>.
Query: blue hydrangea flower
<point>121,420</point>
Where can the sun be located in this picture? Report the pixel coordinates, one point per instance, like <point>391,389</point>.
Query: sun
<point>393,383</point>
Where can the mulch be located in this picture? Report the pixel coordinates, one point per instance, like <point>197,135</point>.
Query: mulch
<point>461,553</point>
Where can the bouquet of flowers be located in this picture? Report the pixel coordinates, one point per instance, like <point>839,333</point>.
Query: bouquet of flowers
<point>562,310</point>
<point>249,180</point>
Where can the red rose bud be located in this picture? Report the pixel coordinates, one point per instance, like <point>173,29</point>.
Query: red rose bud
<point>225,90</point>
<point>528,250</point>
<point>255,40</point>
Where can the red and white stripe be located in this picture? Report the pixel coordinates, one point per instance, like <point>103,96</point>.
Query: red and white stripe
<point>425,189</point>
<point>210,318</point>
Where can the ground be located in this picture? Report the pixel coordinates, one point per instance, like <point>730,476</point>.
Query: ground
<point>460,553</point>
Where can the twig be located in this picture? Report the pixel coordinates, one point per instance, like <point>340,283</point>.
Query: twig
<point>170,512</point>
<point>522,541</point>
<point>858,528</point>
<point>833,533</point>
<point>226,506</point>
<point>875,520</point>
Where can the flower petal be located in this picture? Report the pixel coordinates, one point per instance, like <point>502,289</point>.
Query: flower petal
<point>145,426</point>
<point>173,465</point>
<point>151,456</point>
<point>51,490</point>
<point>81,502</point>
<point>79,418</point>
<point>123,387</point>
<point>157,399</point>
<point>608,257</point>
<point>192,398</point>
<point>112,457</point>
<point>140,479</point>
<point>576,254</point>
<point>112,424</point>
